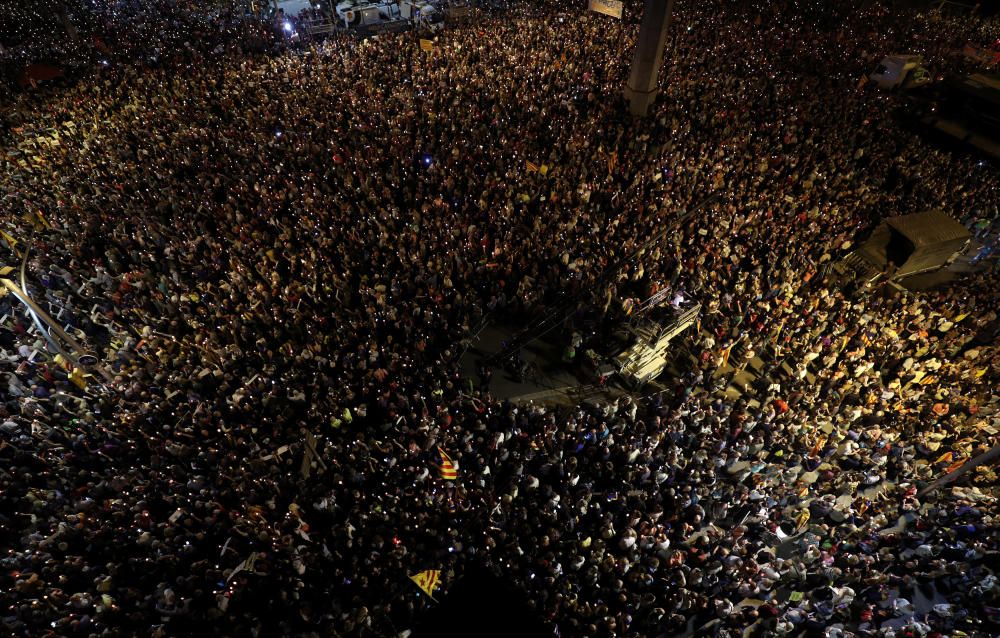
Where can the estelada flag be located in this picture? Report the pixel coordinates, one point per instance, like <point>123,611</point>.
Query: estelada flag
<point>448,470</point>
<point>427,580</point>
<point>725,353</point>
<point>531,166</point>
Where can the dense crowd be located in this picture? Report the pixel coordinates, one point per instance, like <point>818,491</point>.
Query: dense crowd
<point>70,37</point>
<point>275,259</point>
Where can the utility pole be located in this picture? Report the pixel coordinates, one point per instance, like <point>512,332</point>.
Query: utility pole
<point>642,88</point>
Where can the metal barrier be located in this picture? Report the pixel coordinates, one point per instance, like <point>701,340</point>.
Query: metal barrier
<point>320,28</point>
<point>47,325</point>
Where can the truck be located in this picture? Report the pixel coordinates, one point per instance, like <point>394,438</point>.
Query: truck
<point>363,13</point>
<point>356,13</point>
<point>421,13</point>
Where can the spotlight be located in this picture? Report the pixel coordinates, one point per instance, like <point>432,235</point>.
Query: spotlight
<point>288,27</point>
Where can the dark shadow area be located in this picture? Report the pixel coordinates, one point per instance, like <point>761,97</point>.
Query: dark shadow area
<point>482,605</point>
<point>899,249</point>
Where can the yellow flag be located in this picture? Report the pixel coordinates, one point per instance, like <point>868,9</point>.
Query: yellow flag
<point>7,238</point>
<point>76,376</point>
<point>32,219</point>
<point>42,219</point>
<point>544,169</point>
<point>802,519</point>
<point>426,45</point>
<point>427,580</point>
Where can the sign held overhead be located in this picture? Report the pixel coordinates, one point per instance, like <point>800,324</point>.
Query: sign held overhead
<point>611,8</point>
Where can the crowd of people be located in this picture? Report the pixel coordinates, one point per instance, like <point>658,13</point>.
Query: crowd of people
<point>274,259</point>
<point>70,37</point>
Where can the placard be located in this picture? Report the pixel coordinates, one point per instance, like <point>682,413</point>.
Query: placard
<point>611,8</point>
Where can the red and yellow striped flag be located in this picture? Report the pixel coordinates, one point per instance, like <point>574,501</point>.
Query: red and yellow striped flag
<point>427,580</point>
<point>814,452</point>
<point>448,470</point>
<point>954,466</point>
<point>725,353</point>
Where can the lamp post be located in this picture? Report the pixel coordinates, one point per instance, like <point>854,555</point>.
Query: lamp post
<point>642,88</point>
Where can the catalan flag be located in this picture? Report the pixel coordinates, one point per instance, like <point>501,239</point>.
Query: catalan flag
<point>801,520</point>
<point>42,219</point>
<point>725,353</point>
<point>427,580</point>
<point>448,470</point>
<point>77,377</point>
<point>11,242</point>
<point>954,466</point>
<point>814,452</point>
<point>947,457</point>
<point>33,220</point>
<point>531,167</point>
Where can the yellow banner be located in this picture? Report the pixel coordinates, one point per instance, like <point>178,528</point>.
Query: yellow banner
<point>426,45</point>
